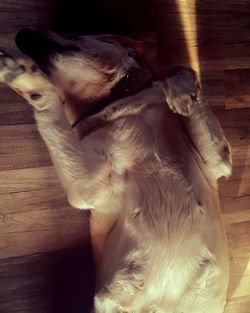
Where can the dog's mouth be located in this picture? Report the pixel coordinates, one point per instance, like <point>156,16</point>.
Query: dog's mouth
<point>40,47</point>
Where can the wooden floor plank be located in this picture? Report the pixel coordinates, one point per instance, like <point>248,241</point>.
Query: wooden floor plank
<point>24,144</point>
<point>238,305</point>
<point>237,88</point>
<point>217,31</point>
<point>42,231</point>
<point>35,215</point>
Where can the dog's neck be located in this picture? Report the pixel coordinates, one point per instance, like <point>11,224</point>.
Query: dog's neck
<point>135,80</point>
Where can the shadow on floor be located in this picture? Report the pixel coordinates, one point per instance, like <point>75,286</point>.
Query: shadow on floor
<point>102,16</point>
<point>58,282</point>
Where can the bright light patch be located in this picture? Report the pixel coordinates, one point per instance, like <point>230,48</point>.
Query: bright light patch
<point>243,286</point>
<point>189,24</point>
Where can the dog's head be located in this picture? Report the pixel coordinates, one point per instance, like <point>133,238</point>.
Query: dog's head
<point>87,67</point>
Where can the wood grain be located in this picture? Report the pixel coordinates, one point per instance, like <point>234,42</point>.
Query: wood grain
<point>235,205</point>
<point>237,88</point>
<point>221,29</point>
<point>34,214</point>
<point>48,283</point>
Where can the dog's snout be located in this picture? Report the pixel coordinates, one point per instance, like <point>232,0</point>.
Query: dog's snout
<point>35,43</point>
<point>32,42</point>
<point>38,46</point>
<point>24,36</point>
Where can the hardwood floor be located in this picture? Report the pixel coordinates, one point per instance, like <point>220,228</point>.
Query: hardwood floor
<point>235,205</point>
<point>34,214</point>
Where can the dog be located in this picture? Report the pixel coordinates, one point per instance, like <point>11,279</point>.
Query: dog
<point>147,163</point>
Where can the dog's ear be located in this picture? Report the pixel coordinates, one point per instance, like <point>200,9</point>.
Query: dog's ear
<point>135,48</point>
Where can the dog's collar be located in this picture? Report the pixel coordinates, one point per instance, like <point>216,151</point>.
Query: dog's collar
<point>133,82</point>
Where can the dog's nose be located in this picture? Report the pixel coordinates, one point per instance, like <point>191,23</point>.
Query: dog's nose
<point>37,46</point>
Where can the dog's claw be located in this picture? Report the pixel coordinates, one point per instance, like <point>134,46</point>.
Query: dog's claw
<point>6,61</point>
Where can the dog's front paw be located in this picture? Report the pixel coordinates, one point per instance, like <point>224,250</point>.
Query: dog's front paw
<point>24,77</point>
<point>9,68</point>
<point>181,90</point>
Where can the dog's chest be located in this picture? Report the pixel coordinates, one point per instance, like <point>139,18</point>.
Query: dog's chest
<point>118,147</point>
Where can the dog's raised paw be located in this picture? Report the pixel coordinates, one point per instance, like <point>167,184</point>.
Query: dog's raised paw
<point>9,68</point>
<point>181,90</point>
<point>6,61</point>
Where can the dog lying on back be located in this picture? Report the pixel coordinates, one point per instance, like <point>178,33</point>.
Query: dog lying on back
<point>149,158</point>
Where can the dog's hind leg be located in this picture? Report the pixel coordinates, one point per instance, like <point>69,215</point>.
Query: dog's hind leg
<point>184,97</point>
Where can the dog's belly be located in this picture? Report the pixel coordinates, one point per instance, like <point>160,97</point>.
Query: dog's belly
<point>163,256</point>
<point>169,226</point>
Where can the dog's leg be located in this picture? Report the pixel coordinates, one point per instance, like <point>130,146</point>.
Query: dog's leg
<point>184,97</point>
<point>25,78</point>
<point>100,225</point>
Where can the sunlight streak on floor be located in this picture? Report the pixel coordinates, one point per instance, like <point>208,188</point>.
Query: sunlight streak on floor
<point>189,23</point>
<point>243,287</point>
